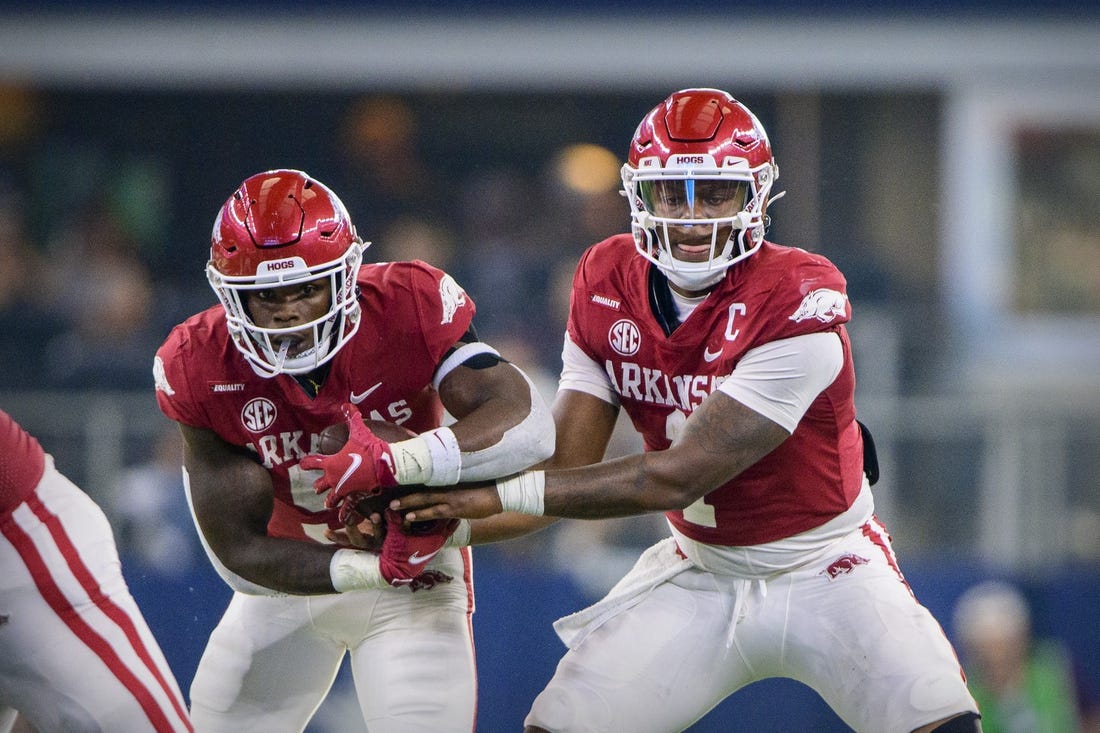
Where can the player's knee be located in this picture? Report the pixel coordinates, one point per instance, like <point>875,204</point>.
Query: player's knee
<point>572,707</point>
<point>965,723</point>
<point>555,708</point>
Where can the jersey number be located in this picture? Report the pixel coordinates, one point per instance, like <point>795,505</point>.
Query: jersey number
<point>301,488</point>
<point>698,512</point>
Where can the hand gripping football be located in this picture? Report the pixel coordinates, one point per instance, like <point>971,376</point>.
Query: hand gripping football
<point>332,439</point>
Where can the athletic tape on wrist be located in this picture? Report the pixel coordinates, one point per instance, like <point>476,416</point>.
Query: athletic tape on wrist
<point>432,458</point>
<point>412,460</point>
<point>523,493</point>
<point>355,570</point>
<point>446,457</point>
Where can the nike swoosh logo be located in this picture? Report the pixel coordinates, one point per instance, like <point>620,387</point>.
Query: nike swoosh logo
<point>711,356</point>
<point>416,559</point>
<point>357,398</point>
<point>356,460</point>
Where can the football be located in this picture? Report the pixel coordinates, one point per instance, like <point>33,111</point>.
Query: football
<point>332,439</point>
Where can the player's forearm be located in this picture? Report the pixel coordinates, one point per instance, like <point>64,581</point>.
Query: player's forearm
<point>280,566</point>
<point>619,488</point>
<point>506,526</point>
<point>233,526</point>
<point>720,440</point>
<point>627,486</point>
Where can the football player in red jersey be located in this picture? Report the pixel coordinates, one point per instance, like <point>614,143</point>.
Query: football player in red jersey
<point>730,355</point>
<point>75,651</point>
<point>306,336</point>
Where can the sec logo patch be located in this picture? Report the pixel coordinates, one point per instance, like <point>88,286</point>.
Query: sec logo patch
<point>258,414</point>
<point>624,337</point>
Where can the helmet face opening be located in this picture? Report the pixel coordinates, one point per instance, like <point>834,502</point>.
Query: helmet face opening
<point>698,178</point>
<point>282,228</point>
<point>693,199</point>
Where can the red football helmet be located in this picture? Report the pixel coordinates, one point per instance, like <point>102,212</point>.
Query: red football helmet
<point>700,164</point>
<point>282,227</point>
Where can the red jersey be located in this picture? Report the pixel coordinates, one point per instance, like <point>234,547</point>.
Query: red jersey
<point>777,293</point>
<point>412,313</point>
<point>22,463</point>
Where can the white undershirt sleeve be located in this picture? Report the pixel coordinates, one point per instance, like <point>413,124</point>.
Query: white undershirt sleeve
<point>781,378</point>
<point>581,373</point>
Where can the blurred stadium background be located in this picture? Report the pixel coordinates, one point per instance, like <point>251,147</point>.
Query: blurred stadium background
<point>945,154</point>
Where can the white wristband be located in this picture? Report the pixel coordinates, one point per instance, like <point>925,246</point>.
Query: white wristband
<point>432,458</point>
<point>355,570</point>
<point>446,457</point>
<point>461,536</point>
<point>412,460</point>
<point>523,493</point>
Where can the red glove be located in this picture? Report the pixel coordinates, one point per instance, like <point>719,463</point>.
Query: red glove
<point>406,552</point>
<point>363,466</point>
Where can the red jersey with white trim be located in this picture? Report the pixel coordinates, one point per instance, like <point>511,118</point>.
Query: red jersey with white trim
<point>777,293</point>
<point>412,313</point>
<point>22,463</point>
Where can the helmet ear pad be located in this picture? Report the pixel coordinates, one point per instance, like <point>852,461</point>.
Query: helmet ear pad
<point>282,227</point>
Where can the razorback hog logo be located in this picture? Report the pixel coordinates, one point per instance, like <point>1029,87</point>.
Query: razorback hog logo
<point>452,296</point>
<point>843,565</point>
<point>823,304</point>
